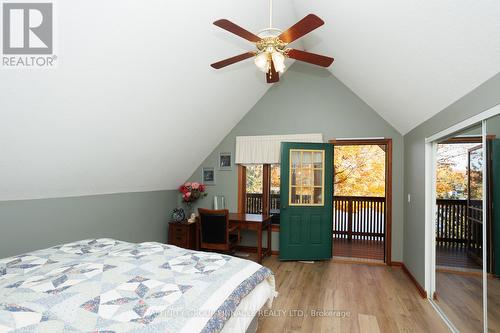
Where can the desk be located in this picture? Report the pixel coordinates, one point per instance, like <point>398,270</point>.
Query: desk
<point>257,223</point>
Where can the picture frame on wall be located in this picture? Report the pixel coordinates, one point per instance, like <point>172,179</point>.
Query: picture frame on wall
<point>225,161</point>
<point>208,176</point>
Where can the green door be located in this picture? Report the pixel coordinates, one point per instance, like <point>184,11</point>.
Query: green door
<point>306,201</point>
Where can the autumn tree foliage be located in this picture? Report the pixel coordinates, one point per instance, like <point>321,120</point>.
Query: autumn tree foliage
<point>254,178</point>
<point>452,171</point>
<point>359,171</point>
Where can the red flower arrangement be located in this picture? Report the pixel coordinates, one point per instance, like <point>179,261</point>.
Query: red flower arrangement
<point>191,192</point>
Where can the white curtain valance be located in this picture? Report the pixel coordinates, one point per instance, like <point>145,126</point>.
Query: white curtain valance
<point>265,149</point>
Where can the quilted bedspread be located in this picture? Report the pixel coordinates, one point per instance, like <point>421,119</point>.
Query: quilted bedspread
<point>105,285</point>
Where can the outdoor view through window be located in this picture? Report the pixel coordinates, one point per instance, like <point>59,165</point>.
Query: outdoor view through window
<point>451,172</point>
<point>359,171</point>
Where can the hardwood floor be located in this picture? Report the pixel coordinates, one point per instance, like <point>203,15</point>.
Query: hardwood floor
<point>454,257</point>
<point>494,305</point>
<point>460,297</point>
<point>366,249</point>
<point>346,297</point>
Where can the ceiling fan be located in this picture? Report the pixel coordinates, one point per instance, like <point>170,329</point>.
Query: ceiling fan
<point>271,44</point>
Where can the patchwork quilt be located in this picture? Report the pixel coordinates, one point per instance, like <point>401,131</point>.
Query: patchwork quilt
<point>106,285</point>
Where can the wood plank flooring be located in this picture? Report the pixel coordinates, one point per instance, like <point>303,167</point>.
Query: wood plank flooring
<point>366,249</point>
<point>340,297</point>
<point>453,257</point>
<point>460,297</point>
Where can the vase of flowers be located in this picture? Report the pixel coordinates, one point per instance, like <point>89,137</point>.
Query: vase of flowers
<point>191,192</point>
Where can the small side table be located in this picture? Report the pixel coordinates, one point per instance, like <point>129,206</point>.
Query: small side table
<point>182,234</point>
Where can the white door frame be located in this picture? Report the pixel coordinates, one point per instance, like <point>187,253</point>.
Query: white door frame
<point>430,207</point>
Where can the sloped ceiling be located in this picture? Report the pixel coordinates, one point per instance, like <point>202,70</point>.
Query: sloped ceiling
<point>134,106</point>
<point>408,59</point>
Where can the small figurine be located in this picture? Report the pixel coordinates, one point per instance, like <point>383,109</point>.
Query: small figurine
<point>192,219</point>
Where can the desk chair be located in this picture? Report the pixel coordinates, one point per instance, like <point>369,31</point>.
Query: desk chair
<point>216,234</point>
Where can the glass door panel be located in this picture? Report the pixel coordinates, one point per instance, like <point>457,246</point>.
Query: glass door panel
<point>492,241</point>
<point>459,226</point>
<point>307,177</point>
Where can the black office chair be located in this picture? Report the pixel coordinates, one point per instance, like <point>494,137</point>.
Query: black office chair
<point>275,218</point>
<point>216,234</point>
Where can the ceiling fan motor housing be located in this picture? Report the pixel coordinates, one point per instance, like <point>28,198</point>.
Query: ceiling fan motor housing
<point>271,44</point>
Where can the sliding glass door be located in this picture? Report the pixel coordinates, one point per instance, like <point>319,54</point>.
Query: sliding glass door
<point>465,258</point>
<point>492,241</point>
<point>458,229</point>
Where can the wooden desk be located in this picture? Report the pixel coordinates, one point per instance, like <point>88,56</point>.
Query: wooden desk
<point>257,223</point>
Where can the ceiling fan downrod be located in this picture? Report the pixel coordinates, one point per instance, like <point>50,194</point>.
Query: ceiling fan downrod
<point>270,14</point>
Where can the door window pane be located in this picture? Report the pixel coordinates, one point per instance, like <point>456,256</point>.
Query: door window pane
<point>307,193</point>
<point>306,171</point>
<point>293,177</point>
<point>318,160</point>
<point>318,174</point>
<point>307,160</point>
<point>318,195</point>
<point>307,177</point>
<point>294,195</point>
<point>295,158</point>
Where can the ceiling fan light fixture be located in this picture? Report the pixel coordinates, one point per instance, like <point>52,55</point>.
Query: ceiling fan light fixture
<point>262,62</point>
<point>271,44</point>
<point>278,61</point>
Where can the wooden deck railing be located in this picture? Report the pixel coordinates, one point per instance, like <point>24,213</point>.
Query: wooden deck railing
<point>353,217</point>
<point>451,223</point>
<point>254,203</point>
<point>359,218</point>
<point>458,228</point>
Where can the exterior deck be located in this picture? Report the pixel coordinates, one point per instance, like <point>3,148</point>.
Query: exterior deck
<point>359,229</point>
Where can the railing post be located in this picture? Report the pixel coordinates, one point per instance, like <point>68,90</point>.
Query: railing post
<point>349,219</point>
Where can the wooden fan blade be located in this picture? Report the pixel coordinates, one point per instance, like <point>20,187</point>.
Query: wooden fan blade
<point>272,76</point>
<point>232,60</point>
<point>237,30</point>
<point>301,28</point>
<point>311,58</point>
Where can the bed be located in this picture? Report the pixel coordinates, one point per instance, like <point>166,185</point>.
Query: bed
<point>106,285</point>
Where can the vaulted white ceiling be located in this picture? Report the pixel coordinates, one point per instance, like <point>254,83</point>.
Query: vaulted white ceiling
<point>408,59</point>
<point>133,104</point>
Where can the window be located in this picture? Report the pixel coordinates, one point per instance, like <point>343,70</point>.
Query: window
<point>274,190</point>
<point>259,189</point>
<point>254,180</point>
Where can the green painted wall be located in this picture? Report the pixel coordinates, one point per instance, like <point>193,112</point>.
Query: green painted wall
<point>308,100</point>
<point>480,99</point>
<point>27,225</point>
